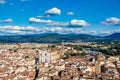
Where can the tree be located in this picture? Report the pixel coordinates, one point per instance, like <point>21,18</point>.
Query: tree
<point>53,46</point>
<point>27,56</point>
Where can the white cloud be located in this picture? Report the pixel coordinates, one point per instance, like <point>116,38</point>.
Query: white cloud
<point>105,33</point>
<point>112,21</point>
<point>23,30</point>
<point>60,24</point>
<point>9,27</point>
<point>73,23</point>
<point>70,13</point>
<point>53,11</point>
<point>117,31</point>
<point>2,1</point>
<point>78,23</point>
<point>54,30</point>
<point>48,22</point>
<point>6,20</point>
<point>45,16</point>
<point>35,20</point>
<point>19,29</point>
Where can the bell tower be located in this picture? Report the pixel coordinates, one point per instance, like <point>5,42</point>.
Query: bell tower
<point>62,49</point>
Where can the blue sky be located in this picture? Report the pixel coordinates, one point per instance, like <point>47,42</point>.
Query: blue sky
<point>95,17</point>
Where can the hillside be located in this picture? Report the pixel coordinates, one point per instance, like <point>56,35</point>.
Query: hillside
<point>115,36</point>
<point>54,38</point>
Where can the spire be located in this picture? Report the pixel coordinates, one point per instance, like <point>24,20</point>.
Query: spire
<point>62,45</point>
<point>62,49</point>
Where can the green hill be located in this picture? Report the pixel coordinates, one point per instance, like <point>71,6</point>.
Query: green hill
<point>55,38</point>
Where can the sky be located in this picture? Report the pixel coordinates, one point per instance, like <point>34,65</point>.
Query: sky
<point>94,17</point>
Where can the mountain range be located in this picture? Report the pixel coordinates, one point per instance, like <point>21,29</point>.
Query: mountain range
<point>55,38</point>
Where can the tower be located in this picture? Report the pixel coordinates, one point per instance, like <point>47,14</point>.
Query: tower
<point>99,66</point>
<point>62,49</point>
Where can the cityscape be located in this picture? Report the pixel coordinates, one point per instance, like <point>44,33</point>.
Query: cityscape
<point>59,40</point>
<point>65,61</point>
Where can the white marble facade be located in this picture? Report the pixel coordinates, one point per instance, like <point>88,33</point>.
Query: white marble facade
<point>44,56</point>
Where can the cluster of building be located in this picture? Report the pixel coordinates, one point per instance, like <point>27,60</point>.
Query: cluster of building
<point>87,67</point>
<point>27,61</point>
<point>17,61</point>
